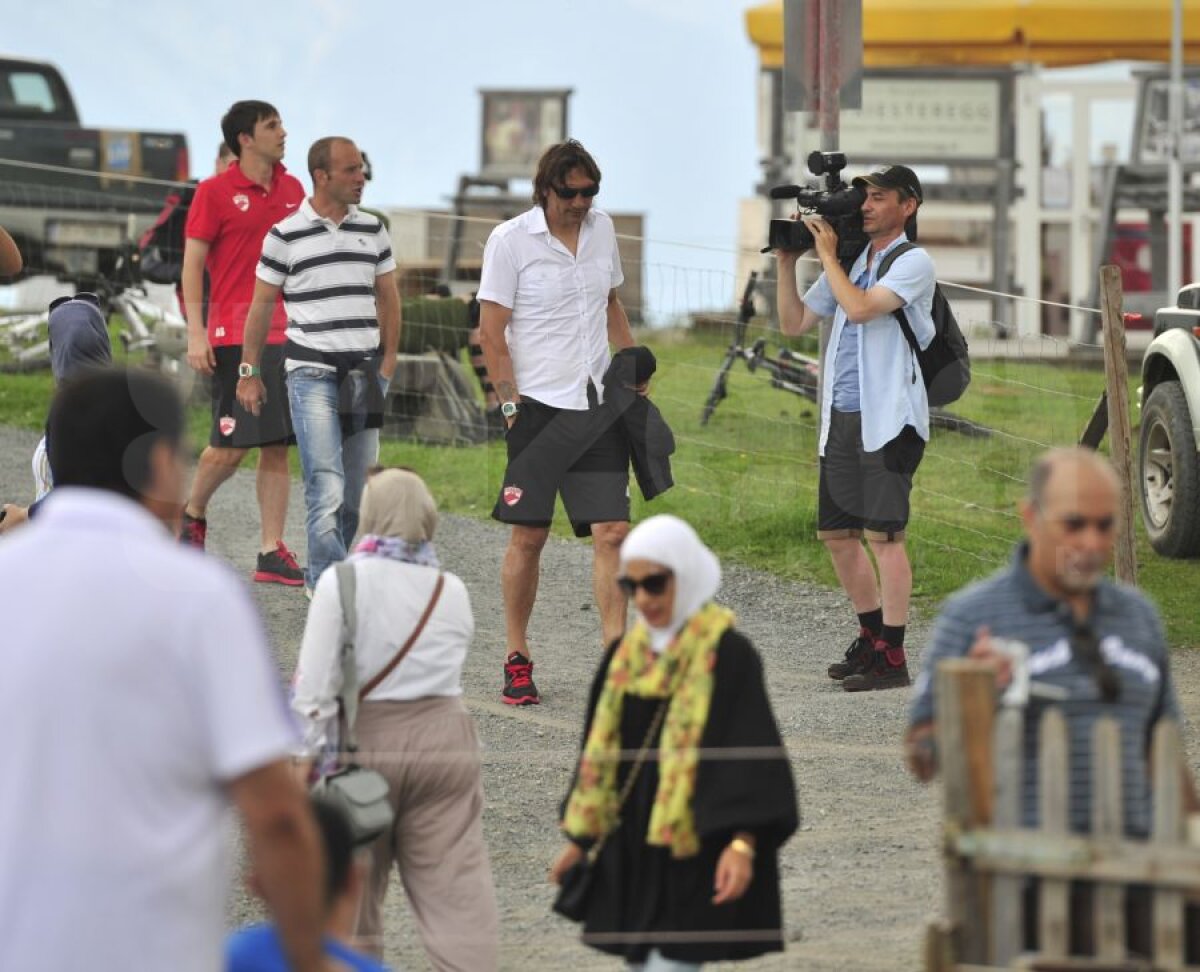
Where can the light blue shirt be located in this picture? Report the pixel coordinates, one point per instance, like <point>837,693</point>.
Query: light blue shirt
<point>845,363</point>
<point>891,392</point>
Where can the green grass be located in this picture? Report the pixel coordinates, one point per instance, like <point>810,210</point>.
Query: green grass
<point>748,480</point>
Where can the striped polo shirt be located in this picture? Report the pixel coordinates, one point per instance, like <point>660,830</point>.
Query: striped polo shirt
<point>327,271</point>
<point>1012,605</point>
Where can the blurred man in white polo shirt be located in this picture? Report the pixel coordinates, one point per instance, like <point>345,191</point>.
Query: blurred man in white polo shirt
<point>138,702</point>
<point>548,313</point>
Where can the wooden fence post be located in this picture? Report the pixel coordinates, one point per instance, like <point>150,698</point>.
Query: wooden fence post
<point>1108,815</point>
<point>1008,929</point>
<point>1116,371</point>
<point>1167,754</point>
<point>965,700</point>
<point>1054,802</point>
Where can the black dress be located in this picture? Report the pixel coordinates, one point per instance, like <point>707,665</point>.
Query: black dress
<point>643,898</point>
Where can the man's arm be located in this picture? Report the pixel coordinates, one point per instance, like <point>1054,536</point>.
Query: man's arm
<point>285,849</point>
<point>200,355</point>
<point>10,256</point>
<point>251,392</point>
<point>795,316</point>
<point>620,335</point>
<point>860,305</point>
<point>387,309</point>
<point>493,322</point>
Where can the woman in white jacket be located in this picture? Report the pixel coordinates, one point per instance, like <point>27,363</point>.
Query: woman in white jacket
<point>412,725</point>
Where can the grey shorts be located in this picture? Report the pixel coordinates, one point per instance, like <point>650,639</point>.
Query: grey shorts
<point>865,493</point>
<point>582,455</point>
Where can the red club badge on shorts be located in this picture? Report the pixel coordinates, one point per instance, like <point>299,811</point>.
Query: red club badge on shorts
<point>226,423</point>
<point>512,495</point>
<point>242,201</point>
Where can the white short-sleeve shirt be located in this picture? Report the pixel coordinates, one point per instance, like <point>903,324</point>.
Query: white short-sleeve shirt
<point>137,683</point>
<point>558,334</point>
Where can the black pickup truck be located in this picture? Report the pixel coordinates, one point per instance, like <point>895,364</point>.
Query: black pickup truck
<point>74,197</point>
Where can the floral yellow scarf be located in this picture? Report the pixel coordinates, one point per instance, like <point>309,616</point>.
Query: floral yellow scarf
<point>682,673</point>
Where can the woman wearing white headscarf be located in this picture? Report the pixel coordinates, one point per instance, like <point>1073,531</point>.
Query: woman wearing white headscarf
<point>412,726</point>
<point>688,872</point>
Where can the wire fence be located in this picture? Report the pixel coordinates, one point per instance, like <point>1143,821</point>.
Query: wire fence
<point>757,453</point>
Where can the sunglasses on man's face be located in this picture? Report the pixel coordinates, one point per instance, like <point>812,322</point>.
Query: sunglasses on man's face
<point>652,584</point>
<point>84,295</point>
<point>563,192</point>
<point>1077,524</point>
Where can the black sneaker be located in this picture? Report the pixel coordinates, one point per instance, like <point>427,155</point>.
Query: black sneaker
<point>518,681</point>
<point>889,669</point>
<point>859,657</point>
<point>193,531</point>
<point>279,567</point>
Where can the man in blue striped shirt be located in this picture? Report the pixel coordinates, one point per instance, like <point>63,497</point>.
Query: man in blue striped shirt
<point>335,268</point>
<point>1095,648</point>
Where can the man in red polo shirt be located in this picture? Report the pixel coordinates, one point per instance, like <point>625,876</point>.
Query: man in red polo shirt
<point>229,217</point>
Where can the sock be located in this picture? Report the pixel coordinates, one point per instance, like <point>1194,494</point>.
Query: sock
<point>892,635</point>
<point>872,621</point>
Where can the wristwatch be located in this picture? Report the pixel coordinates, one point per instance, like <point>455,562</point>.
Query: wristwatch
<point>509,409</point>
<point>248,370</point>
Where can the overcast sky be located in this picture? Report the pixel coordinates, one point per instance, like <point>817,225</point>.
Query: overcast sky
<point>664,89</point>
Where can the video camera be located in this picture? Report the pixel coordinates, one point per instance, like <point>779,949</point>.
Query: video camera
<point>838,203</point>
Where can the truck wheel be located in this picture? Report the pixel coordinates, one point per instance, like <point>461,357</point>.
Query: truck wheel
<point>1169,473</point>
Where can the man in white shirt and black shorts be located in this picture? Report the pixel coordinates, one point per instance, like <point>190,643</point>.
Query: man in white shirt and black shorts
<point>548,313</point>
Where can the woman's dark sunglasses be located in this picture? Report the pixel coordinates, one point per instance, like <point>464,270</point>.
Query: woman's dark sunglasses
<point>652,584</point>
<point>587,192</point>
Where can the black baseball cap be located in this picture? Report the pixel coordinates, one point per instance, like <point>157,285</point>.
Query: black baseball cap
<point>893,177</point>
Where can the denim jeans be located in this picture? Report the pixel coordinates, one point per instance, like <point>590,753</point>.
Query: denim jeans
<point>657,962</point>
<point>335,452</point>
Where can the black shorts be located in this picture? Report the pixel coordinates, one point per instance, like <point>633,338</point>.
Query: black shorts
<point>865,492</point>
<point>583,455</point>
<point>232,426</point>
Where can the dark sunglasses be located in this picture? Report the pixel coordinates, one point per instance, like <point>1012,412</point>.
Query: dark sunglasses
<point>85,295</point>
<point>1076,524</point>
<point>564,193</point>
<point>1085,646</point>
<point>652,584</point>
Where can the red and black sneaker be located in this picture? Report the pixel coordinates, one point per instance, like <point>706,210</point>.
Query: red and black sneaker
<point>279,566</point>
<point>194,531</point>
<point>859,657</point>
<point>518,681</point>
<point>889,669</point>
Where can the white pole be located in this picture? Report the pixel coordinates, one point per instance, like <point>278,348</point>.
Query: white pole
<point>1175,159</point>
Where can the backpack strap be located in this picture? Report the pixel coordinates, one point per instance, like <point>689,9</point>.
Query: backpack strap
<point>898,313</point>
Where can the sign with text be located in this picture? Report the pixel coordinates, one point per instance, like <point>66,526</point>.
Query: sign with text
<point>518,126</point>
<point>924,119</point>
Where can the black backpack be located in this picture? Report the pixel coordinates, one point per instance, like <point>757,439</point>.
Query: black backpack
<point>945,364</point>
<point>160,250</point>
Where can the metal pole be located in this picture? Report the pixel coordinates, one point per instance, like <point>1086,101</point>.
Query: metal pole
<point>1175,158</point>
<point>831,71</point>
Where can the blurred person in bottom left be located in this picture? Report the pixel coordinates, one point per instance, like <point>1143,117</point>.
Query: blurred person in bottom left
<point>139,706</point>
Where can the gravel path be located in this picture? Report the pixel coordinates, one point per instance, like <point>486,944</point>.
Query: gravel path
<point>861,877</point>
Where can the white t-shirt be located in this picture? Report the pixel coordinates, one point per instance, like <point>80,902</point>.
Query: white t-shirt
<point>136,683</point>
<point>390,598</point>
<point>558,334</point>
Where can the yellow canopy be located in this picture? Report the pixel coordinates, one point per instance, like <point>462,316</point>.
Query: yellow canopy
<point>982,33</point>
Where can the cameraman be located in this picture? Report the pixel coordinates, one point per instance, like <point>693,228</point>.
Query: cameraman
<point>874,415</point>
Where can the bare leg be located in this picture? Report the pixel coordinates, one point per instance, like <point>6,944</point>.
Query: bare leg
<point>519,583</point>
<point>895,579</point>
<point>854,572</point>
<point>273,484</point>
<point>606,548</point>
<point>214,467</point>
